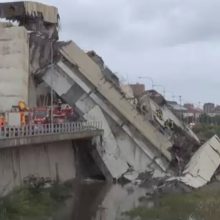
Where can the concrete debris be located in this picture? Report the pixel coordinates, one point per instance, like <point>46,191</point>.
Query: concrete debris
<point>131,176</point>
<point>154,108</point>
<point>110,154</point>
<point>203,165</point>
<point>49,13</point>
<point>17,10</point>
<point>157,174</point>
<point>141,134</point>
<point>108,74</point>
<point>92,72</point>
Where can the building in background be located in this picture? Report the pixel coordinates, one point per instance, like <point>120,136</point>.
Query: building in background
<point>217,110</point>
<point>192,114</point>
<point>189,105</point>
<point>138,89</point>
<point>209,108</point>
<point>178,109</point>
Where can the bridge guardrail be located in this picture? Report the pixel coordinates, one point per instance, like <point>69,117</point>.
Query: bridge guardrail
<point>48,129</point>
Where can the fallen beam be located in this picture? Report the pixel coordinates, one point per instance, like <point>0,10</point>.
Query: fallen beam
<point>203,164</point>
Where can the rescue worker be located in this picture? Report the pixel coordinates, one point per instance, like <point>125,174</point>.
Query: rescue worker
<point>23,118</point>
<point>59,103</point>
<point>2,121</point>
<point>159,114</point>
<point>23,109</point>
<point>169,124</point>
<point>22,106</point>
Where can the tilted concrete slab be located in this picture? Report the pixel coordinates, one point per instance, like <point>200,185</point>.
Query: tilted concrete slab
<point>133,149</point>
<point>93,74</point>
<point>149,108</point>
<point>110,152</point>
<point>203,164</point>
<point>168,114</point>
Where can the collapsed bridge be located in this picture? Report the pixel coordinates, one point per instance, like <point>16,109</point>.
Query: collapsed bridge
<point>34,61</point>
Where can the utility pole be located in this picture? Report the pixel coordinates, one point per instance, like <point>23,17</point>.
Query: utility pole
<point>51,88</point>
<point>180,99</point>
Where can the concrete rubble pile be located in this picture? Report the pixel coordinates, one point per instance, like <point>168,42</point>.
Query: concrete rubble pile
<point>136,136</point>
<point>154,107</point>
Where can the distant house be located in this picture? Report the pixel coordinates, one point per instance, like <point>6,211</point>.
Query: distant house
<point>189,105</point>
<point>179,110</point>
<point>138,89</point>
<point>209,108</point>
<point>217,110</point>
<point>192,114</point>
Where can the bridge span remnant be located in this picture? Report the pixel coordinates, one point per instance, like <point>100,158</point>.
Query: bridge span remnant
<point>50,151</point>
<point>35,64</point>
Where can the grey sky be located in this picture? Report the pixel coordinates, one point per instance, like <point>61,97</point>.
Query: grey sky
<point>175,42</point>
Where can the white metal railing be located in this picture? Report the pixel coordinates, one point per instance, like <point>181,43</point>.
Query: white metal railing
<point>48,129</point>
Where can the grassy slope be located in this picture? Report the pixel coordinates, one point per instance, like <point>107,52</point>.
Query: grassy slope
<point>201,205</point>
<point>205,132</point>
<point>27,204</point>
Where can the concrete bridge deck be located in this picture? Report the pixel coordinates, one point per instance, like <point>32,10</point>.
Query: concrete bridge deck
<point>48,133</point>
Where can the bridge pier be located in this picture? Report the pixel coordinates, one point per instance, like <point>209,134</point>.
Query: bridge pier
<point>51,155</point>
<point>54,160</point>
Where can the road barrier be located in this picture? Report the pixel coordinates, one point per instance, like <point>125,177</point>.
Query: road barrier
<point>48,129</point>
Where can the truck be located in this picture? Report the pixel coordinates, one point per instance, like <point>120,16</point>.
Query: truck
<point>61,114</point>
<point>40,115</point>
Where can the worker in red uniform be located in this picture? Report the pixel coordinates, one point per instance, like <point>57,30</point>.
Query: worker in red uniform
<point>2,121</point>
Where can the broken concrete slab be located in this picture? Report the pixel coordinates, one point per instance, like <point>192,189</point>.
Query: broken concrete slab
<point>110,151</point>
<point>83,81</point>
<point>17,10</point>
<point>92,73</point>
<point>131,175</point>
<point>202,165</point>
<point>132,149</point>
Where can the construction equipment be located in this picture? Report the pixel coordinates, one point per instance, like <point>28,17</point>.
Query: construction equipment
<point>61,113</point>
<point>21,115</point>
<point>40,115</point>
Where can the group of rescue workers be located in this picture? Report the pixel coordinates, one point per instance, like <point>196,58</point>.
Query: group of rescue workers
<point>168,123</point>
<point>39,115</point>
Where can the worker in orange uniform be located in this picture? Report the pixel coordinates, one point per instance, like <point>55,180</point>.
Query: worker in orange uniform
<point>22,108</point>
<point>23,118</point>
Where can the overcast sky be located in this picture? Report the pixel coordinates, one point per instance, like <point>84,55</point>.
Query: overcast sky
<point>175,42</point>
